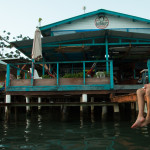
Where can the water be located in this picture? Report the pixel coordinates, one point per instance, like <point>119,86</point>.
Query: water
<point>51,131</point>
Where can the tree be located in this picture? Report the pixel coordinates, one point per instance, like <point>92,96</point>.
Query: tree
<point>6,50</point>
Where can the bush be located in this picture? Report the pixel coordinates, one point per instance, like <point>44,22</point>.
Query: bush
<point>74,75</point>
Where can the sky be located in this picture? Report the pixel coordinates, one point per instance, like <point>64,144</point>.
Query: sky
<point>21,16</point>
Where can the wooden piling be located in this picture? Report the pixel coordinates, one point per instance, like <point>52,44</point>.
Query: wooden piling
<point>92,107</point>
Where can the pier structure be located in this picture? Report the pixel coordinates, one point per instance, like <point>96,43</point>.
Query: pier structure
<point>93,59</point>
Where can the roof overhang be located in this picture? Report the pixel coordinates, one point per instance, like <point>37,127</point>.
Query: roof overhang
<point>49,44</point>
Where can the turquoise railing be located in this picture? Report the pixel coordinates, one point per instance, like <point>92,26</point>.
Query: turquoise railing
<point>109,63</point>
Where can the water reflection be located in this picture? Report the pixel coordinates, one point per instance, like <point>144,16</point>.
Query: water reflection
<point>43,131</point>
<point>27,129</point>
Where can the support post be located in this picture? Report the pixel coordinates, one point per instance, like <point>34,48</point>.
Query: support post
<point>8,100</point>
<point>106,46</point>
<point>81,107</point>
<point>8,75</point>
<point>18,72</point>
<point>84,72</point>
<point>145,108</point>
<point>39,101</point>
<point>132,106</point>
<point>111,75</point>
<point>84,97</point>
<point>43,69</point>
<point>92,110</point>
<point>57,73</point>
<point>137,108</point>
<point>92,107</point>
<point>27,107</point>
<point>104,110</point>
<point>116,108</point>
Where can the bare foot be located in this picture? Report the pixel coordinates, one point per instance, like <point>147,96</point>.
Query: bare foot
<point>146,122</point>
<point>138,122</point>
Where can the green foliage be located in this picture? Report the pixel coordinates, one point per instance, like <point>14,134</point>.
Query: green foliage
<point>107,74</point>
<point>73,75</point>
<point>45,76</point>
<point>5,44</point>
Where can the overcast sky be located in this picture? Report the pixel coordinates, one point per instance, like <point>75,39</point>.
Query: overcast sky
<point>21,16</point>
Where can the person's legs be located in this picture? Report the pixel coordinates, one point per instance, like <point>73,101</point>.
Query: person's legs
<point>147,120</point>
<point>141,102</point>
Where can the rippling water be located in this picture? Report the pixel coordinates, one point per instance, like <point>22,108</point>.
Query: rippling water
<point>52,131</point>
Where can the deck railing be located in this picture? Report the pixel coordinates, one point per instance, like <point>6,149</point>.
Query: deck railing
<point>39,84</point>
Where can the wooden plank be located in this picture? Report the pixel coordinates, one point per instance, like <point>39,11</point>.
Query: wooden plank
<point>124,98</point>
<point>50,93</point>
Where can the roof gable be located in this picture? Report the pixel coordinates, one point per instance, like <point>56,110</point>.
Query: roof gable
<point>100,11</point>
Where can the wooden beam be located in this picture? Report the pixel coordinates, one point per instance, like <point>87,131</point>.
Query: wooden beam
<point>53,93</point>
<point>58,104</point>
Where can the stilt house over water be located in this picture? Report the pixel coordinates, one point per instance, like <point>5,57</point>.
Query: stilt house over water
<point>100,54</point>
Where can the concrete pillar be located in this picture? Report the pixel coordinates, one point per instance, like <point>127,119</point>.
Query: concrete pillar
<point>104,110</point>
<point>27,101</point>
<point>81,107</point>
<point>132,106</point>
<point>84,97</point>
<point>8,100</point>
<point>116,108</point>
<point>39,101</point>
<point>145,108</point>
<point>92,107</point>
<point>137,108</point>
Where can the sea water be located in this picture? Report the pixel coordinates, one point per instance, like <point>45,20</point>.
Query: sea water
<point>52,130</point>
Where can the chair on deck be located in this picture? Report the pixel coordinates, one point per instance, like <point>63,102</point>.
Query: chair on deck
<point>36,75</point>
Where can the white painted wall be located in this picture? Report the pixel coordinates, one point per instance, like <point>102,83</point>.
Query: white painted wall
<point>115,22</point>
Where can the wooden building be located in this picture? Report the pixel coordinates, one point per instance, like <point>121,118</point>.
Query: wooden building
<point>116,45</point>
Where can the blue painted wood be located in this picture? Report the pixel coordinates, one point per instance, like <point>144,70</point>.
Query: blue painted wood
<point>25,75</point>
<point>111,75</point>
<point>8,75</point>
<point>43,69</point>
<point>148,66</point>
<point>18,72</point>
<point>57,73</point>
<point>84,72</point>
<point>72,69</point>
<point>63,87</point>
<point>106,50</point>
<point>59,88</point>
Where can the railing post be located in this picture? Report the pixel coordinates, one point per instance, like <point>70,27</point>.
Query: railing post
<point>148,66</point>
<point>18,72</point>
<point>43,69</point>
<point>106,46</point>
<point>84,72</point>
<point>57,73</point>
<point>111,75</point>
<point>8,75</point>
<point>26,75</point>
